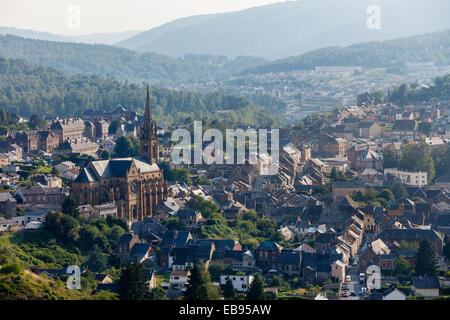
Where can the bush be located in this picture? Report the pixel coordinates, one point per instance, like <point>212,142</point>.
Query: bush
<point>14,268</point>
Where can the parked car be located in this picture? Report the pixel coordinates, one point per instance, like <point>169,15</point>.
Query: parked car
<point>362,277</point>
<point>348,278</point>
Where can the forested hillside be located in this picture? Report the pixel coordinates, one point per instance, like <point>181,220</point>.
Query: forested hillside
<point>28,90</point>
<point>122,64</point>
<point>388,54</point>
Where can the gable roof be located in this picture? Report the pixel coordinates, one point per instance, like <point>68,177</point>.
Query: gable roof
<point>425,282</point>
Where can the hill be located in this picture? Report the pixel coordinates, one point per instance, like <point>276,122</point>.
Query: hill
<point>27,90</point>
<point>122,64</point>
<point>290,28</point>
<point>101,38</point>
<point>389,54</point>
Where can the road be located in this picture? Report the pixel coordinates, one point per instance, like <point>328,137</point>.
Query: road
<point>353,271</point>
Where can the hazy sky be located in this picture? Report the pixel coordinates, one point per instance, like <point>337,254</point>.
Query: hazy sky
<point>60,16</point>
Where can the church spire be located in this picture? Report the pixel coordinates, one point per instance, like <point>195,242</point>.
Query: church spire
<point>149,143</point>
<point>148,109</point>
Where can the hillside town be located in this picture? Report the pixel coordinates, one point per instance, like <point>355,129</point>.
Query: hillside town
<point>354,192</point>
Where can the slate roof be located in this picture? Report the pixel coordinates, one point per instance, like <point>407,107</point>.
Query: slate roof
<point>408,234</point>
<point>289,257</point>
<point>404,125</point>
<point>118,168</point>
<point>85,175</point>
<point>269,245</point>
<point>425,282</point>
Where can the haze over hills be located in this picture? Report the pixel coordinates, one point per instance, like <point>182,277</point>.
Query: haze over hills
<point>393,54</point>
<point>100,38</point>
<point>120,63</point>
<point>291,28</point>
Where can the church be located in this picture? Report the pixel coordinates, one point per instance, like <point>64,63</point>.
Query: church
<point>135,185</point>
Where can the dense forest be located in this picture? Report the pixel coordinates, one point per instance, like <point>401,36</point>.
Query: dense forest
<point>391,54</point>
<point>405,94</point>
<point>27,90</point>
<point>122,64</point>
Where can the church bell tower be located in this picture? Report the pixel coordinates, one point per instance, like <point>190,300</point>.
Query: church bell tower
<point>149,142</point>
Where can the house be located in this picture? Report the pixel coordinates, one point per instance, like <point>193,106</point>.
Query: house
<point>404,130</point>
<point>240,283</point>
<point>7,205</point>
<point>104,210</point>
<point>426,286</point>
<point>103,278</point>
<point>267,254</point>
<point>338,270</point>
<point>125,244</point>
<point>411,178</point>
<point>330,146</point>
<point>392,235</point>
<point>369,130</point>
<point>393,294</point>
<point>289,263</point>
<point>140,252</point>
<point>189,217</point>
<point>342,189</point>
<point>151,279</point>
<point>64,166</point>
<point>80,146</point>
<point>48,196</point>
<point>179,279</point>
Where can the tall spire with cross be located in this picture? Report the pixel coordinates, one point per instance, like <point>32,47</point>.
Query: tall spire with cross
<point>149,144</point>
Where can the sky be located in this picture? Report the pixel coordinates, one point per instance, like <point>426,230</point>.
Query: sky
<point>77,17</point>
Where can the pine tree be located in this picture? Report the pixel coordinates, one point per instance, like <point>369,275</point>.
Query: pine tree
<point>334,174</point>
<point>228,291</point>
<point>70,207</point>
<point>133,282</point>
<point>256,289</point>
<point>426,259</point>
<point>198,283</point>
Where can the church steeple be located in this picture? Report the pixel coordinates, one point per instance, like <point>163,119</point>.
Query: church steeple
<point>148,108</point>
<point>149,143</point>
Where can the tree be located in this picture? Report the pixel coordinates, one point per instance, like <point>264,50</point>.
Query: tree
<point>126,147</point>
<point>334,174</point>
<point>70,207</point>
<point>386,194</point>
<point>391,157</point>
<point>158,293</point>
<point>426,259</point>
<point>398,190</point>
<point>417,157</point>
<point>228,291</point>
<point>36,122</point>
<point>105,155</point>
<point>256,289</point>
<point>198,284</point>
<point>133,282</point>
<point>441,159</point>
<point>425,127</point>
<point>402,266</point>
<point>112,129</point>
<point>447,248</point>
<point>97,261</point>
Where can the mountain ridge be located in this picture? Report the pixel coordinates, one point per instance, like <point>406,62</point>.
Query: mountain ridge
<point>290,28</point>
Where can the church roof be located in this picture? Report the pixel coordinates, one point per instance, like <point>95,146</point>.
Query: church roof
<point>117,168</point>
<point>85,175</point>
